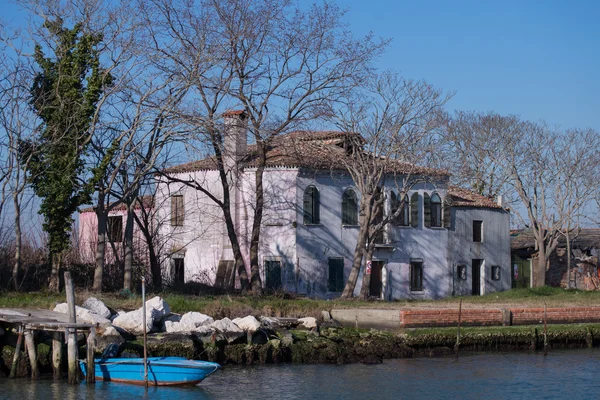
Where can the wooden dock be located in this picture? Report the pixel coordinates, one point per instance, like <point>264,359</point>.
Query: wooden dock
<point>26,321</point>
<point>42,320</point>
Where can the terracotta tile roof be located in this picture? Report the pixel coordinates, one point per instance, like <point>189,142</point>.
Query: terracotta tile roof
<point>460,197</point>
<point>305,149</point>
<point>147,201</point>
<point>588,238</point>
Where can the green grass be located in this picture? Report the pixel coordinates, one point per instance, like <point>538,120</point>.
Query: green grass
<point>236,305</point>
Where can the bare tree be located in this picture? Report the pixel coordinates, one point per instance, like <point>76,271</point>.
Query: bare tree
<point>544,173</point>
<point>469,152</point>
<point>17,123</point>
<point>393,125</point>
<point>282,64</point>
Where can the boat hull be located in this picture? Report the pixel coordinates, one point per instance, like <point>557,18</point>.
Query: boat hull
<point>162,371</point>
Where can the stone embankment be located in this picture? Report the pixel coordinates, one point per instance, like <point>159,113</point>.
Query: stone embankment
<point>261,340</point>
<point>399,319</point>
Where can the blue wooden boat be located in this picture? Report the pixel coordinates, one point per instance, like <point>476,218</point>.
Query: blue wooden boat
<point>162,371</point>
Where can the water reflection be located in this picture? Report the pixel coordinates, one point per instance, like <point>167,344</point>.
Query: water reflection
<point>568,374</point>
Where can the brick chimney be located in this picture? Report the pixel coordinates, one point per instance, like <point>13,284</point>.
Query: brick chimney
<point>235,147</point>
<point>235,142</point>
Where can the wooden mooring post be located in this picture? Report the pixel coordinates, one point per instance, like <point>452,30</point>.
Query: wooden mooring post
<point>545,333</point>
<point>30,344</point>
<point>57,344</point>
<point>90,377</point>
<point>13,367</point>
<point>73,368</point>
<point>457,345</point>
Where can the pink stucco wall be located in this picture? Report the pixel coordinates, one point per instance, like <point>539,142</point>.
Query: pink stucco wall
<point>88,240</point>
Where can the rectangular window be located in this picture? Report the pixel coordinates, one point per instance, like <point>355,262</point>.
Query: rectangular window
<point>495,272</point>
<point>272,274</point>
<point>478,231</point>
<point>461,272</point>
<point>177,272</point>
<point>115,228</point>
<point>177,211</point>
<point>416,275</point>
<point>335,280</point>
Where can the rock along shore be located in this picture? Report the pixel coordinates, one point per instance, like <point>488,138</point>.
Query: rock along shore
<point>266,340</point>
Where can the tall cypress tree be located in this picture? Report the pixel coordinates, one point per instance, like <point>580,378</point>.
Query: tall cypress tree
<point>65,93</point>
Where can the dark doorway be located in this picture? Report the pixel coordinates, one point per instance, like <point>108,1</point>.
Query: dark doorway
<point>178,271</point>
<point>272,274</point>
<point>476,277</point>
<point>375,285</point>
<point>521,273</point>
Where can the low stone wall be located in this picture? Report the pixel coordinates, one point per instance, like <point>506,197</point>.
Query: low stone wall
<point>395,319</point>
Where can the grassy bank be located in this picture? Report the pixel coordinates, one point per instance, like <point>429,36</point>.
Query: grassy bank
<point>236,305</point>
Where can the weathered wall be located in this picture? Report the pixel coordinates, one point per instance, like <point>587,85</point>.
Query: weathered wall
<point>88,240</point>
<point>202,240</point>
<point>330,239</point>
<point>494,249</point>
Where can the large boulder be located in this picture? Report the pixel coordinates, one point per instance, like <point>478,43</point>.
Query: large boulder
<point>248,324</point>
<point>188,322</point>
<point>308,322</point>
<point>107,336</point>
<point>227,330</point>
<point>170,323</point>
<point>191,320</point>
<point>161,307</point>
<point>83,315</point>
<point>132,321</point>
<point>97,307</point>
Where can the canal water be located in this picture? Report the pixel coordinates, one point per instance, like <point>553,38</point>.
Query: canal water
<point>572,374</point>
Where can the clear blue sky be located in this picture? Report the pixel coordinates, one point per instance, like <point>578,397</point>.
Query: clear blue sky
<point>538,59</point>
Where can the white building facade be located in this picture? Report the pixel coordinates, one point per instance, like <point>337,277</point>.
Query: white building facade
<point>449,241</point>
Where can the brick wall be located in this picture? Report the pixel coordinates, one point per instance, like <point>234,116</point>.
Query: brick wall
<point>423,318</point>
<point>486,317</point>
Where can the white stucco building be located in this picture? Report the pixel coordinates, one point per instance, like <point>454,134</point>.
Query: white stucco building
<point>449,242</point>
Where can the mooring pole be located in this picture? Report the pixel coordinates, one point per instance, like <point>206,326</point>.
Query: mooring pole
<point>56,354</point>
<point>72,332</point>
<point>457,345</point>
<point>545,333</point>
<point>91,367</point>
<point>30,344</point>
<point>144,330</point>
<point>13,368</point>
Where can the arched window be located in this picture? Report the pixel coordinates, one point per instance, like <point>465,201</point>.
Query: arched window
<point>349,208</point>
<point>311,206</point>
<point>403,219</point>
<point>436,211</point>
<point>405,214</point>
<point>414,210</point>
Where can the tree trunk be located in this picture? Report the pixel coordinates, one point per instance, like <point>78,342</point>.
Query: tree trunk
<point>18,242</point>
<point>101,245</point>
<point>144,224</point>
<point>366,282</point>
<point>256,284</point>
<point>128,258</point>
<point>240,267</point>
<point>154,267</point>
<point>363,219</point>
<point>53,284</point>
<point>539,273</point>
